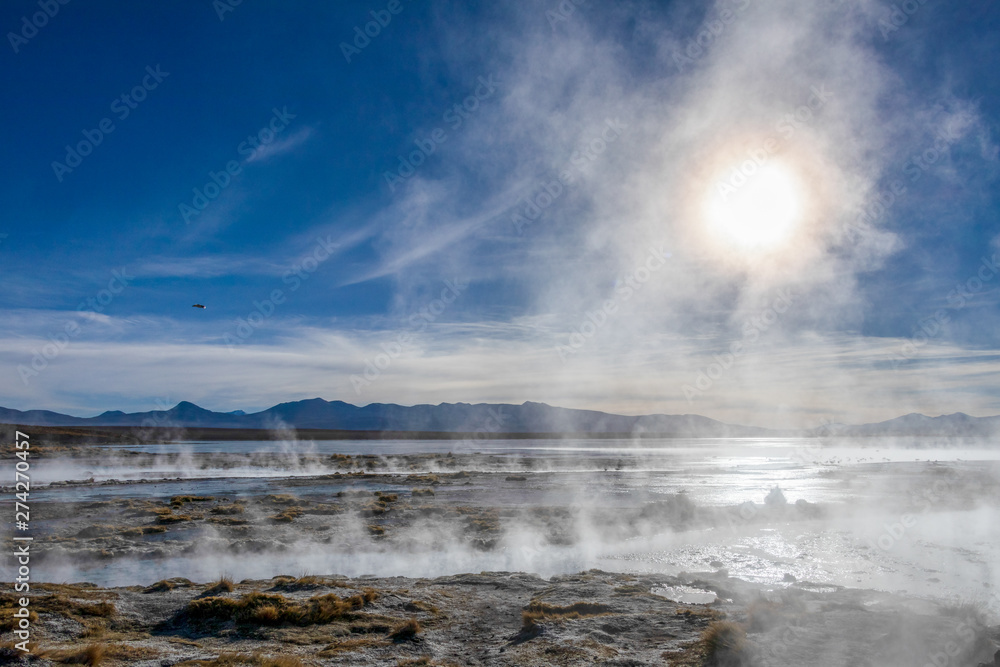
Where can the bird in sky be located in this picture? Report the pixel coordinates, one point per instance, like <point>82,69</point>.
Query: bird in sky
<point>198,305</point>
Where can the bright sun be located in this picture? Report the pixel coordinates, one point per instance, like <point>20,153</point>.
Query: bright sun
<point>755,211</point>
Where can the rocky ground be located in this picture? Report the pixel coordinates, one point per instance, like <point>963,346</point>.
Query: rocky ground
<point>373,504</point>
<point>498,618</point>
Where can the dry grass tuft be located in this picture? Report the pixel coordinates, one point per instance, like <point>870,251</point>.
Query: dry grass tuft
<point>375,530</point>
<point>351,645</point>
<point>416,493</point>
<point>165,585</point>
<point>287,515</point>
<point>223,585</point>
<point>265,609</point>
<point>536,612</point>
<point>234,508</point>
<point>92,654</point>
<point>161,586</point>
<point>179,501</point>
<point>228,521</point>
<point>247,659</point>
<point>281,499</point>
<point>406,631</point>
<point>142,530</point>
<point>725,644</point>
<point>99,530</point>
<point>424,479</point>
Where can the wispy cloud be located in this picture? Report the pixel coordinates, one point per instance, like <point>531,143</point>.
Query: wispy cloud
<point>281,146</point>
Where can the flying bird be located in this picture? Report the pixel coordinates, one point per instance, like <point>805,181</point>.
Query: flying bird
<point>197,305</point>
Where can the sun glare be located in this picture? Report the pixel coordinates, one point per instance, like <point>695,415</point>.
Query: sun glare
<point>759,210</point>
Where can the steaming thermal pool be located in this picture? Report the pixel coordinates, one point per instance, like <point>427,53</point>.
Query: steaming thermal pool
<point>917,516</point>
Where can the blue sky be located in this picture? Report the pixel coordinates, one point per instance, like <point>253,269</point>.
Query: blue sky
<point>500,202</point>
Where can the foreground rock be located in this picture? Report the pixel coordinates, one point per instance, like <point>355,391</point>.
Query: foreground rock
<point>499,618</point>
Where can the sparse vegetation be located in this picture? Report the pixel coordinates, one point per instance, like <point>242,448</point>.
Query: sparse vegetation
<point>350,645</point>
<point>406,631</point>
<point>725,644</point>
<point>247,659</point>
<point>536,611</point>
<point>287,515</point>
<point>223,585</point>
<point>161,586</point>
<point>92,654</point>
<point>233,508</point>
<point>416,493</point>
<point>168,585</point>
<point>142,530</point>
<point>180,501</point>
<point>375,530</point>
<point>96,531</point>
<point>64,604</point>
<point>265,609</point>
<point>228,521</point>
<point>424,479</point>
<point>304,582</point>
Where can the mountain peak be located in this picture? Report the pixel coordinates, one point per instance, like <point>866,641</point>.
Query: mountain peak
<point>187,406</point>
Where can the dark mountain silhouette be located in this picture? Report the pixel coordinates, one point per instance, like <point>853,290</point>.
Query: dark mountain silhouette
<point>317,413</point>
<point>486,418</point>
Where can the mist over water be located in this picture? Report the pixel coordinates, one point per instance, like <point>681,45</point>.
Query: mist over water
<point>920,516</point>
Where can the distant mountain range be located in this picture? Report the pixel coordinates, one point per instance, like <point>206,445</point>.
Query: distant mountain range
<point>487,419</point>
<point>958,424</point>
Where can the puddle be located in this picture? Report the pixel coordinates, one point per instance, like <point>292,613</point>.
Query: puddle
<point>684,594</point>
